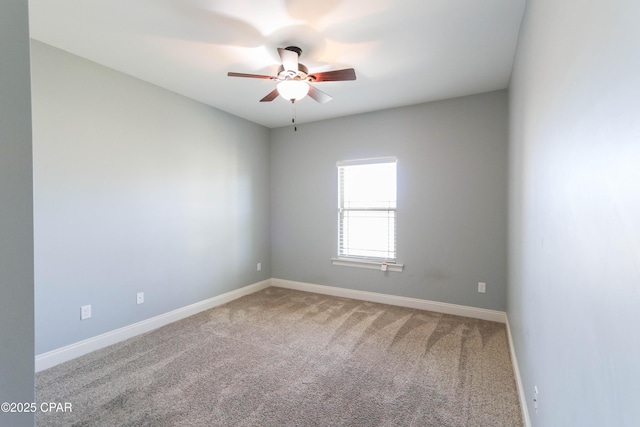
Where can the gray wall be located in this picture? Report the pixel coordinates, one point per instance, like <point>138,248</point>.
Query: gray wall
<point>452,199</point>
<point>574,295</point>
<point>137,189</point>
<point>16,214</point>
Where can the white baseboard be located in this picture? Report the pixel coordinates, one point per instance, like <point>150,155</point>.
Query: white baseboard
<point>63,354</point>
<point>438,307</point>
<point>69,352</point>
<point>516,371</point>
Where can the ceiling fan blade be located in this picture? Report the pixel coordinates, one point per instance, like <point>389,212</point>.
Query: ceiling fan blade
<point>319,95</point>
<point>253,76</point>
<point>289,59</point>
<point>270,96</point>
<point>334,76</point>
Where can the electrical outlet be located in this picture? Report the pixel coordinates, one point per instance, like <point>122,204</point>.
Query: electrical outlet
<point>482,287</point>
<point>85,312</point>
<point>259,266</point>
<point>535,398</point>
<point>139,297</point>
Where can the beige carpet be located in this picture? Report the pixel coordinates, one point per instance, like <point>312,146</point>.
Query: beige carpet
<point>288,358</point>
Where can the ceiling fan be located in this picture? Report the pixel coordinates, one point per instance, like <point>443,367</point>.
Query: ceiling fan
<point>293,78</point>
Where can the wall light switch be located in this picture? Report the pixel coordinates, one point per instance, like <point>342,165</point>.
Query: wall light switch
<point>259,266</point>
<point>139,297</point>
<point>482,287</point>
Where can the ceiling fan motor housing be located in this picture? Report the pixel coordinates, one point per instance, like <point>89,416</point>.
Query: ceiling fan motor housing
<point>302,73</point>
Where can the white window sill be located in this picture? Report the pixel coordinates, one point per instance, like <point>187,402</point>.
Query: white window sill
<point>362,263</point>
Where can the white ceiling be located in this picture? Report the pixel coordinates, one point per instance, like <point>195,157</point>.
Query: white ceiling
<point>404,51</point>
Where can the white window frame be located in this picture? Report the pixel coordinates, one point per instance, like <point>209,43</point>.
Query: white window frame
<point>370,262</point>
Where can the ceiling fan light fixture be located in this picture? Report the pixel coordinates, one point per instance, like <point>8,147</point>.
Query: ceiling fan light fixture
<point>293,90</point>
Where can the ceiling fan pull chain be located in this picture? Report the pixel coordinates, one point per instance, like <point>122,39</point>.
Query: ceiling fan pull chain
<point>293,119</point>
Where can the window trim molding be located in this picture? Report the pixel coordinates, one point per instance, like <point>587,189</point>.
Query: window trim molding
<point>369,161</point>
<point>367,263</point>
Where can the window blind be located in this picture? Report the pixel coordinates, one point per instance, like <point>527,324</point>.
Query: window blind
<point>367,209</point>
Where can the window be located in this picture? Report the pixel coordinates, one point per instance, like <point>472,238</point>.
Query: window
<point>367,209</point>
